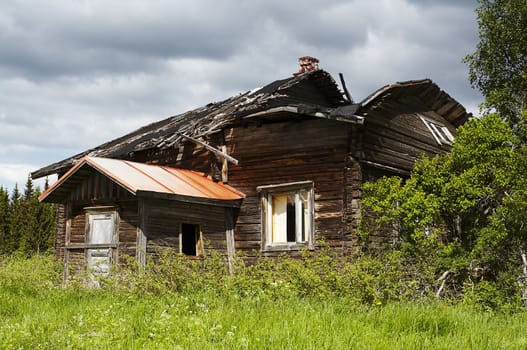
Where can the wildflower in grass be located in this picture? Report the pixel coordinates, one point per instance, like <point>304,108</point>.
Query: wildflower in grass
<point>216,327</point>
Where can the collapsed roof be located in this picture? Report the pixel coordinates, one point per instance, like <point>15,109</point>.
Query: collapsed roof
<point>314,93</point>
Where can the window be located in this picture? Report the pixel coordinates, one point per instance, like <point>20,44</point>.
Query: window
<point>440,132</point>
<point>190,240</point>
<point>287,216</point>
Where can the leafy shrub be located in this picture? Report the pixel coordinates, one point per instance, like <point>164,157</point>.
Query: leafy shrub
<point>29,275</point>
<point>322,274</point>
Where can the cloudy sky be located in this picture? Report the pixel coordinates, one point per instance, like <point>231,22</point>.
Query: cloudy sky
<point>77,73</point>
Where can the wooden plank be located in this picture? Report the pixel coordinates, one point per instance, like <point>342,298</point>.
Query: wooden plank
<point>189,199</point>
<point>141,234</point>
<point>74,246</point>
<point>229,237</point>
<point>212,149</point>
<point>248,245</point>
<point>68,214</point>
<point>225,167</point>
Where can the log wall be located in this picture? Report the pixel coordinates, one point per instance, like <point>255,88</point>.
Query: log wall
<point>290,151</point>
<point>59,238</point>
<point>395,136</point>
<point>163,219</point>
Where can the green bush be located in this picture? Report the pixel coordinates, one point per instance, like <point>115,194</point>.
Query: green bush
<point>364,302</point>
<point>22,275</point>
<point>362,278</point>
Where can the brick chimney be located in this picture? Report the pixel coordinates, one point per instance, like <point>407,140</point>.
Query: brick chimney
<point>307,64</point>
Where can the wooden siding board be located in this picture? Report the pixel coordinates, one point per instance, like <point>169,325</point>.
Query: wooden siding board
<point>97,187</point>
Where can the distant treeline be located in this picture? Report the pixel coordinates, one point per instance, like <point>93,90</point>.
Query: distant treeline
<point>26,225</point>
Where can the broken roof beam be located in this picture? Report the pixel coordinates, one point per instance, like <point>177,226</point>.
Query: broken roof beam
<point>212,149</point>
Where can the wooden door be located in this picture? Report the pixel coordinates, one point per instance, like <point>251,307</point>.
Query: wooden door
<point>101,234</point>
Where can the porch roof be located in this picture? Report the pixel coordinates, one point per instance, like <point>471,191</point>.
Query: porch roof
<point>145,180</point>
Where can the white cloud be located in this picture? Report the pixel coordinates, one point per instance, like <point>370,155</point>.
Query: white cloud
<point>16,173</point>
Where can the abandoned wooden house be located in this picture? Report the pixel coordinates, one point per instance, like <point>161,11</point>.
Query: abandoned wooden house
<point>272,170</point>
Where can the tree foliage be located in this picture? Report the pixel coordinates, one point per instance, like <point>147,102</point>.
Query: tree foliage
<point>498,67</point>
<point>26,225</point>
<point>465,210</point>
<point>466,207</point>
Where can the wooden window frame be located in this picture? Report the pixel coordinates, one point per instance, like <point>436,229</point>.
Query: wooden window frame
<point>440,132</point>
<point>266,195</point>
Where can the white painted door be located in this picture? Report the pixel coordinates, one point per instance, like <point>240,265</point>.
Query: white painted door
<point>101,231</point>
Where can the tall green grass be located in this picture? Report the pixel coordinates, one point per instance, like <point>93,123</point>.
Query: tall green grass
<point>160,308</point>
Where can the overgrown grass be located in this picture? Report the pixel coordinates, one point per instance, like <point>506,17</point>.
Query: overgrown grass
<point>178,304</point>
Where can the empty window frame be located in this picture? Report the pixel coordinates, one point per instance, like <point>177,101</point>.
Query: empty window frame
<point>190,240</point>
<point>287,216</point>
<point>440,132</point>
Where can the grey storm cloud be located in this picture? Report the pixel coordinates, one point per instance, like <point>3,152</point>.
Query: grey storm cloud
<point>76,73</point>
<point>71,39</point>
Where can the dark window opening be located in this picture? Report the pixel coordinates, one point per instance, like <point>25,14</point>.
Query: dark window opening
<point>189,239</point>
<point>291,222</point>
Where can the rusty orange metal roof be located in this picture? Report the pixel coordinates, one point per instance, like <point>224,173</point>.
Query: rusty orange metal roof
<point>140,177</point>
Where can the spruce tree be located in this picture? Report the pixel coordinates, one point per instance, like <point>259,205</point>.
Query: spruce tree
<point>47,222</point>
<point>15,218</point>
<point>38,223</point>
<point>27,226</point>
<point>4,218</point>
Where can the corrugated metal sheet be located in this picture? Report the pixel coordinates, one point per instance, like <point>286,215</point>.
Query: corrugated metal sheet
<point>138,177</point>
